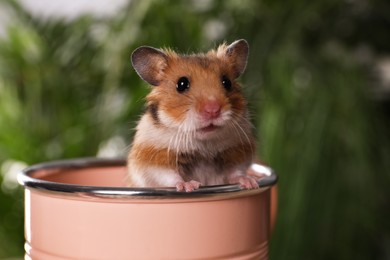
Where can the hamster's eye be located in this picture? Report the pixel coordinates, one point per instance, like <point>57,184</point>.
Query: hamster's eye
<point>182,84</point>
<point>227,84</point>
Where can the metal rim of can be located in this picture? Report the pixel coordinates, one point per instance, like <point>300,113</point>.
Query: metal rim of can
<point>25,178</point>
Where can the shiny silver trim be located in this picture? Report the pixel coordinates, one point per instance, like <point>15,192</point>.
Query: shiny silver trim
<point>25,179</point>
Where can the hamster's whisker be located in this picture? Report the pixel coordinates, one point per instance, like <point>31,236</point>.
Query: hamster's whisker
<point>244,133</point>
<point>191,134</point>
<point>191,137</point>
<point>239,117</point>
<point>179,140</point>
<point>242,130</point>
<point>185,138</point>
<point>170,143</point>
<point>232,124</point>
<point>189,140</point>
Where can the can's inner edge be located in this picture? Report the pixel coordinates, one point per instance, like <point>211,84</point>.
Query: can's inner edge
<point>25,179</point>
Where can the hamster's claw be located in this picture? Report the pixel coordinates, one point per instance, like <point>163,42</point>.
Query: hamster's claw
<point>246,182</point>
<point>187,186</point>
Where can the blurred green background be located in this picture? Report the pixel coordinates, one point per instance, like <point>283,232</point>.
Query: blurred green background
<point>318,81</point>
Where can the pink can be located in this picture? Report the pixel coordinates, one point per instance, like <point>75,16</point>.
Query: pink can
<point>81,209</point>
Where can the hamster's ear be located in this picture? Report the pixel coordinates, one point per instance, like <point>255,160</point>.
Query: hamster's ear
<point>237,53</point>
<point>149,63</point>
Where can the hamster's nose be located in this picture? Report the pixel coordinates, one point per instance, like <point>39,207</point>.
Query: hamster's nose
<point>211,110</point>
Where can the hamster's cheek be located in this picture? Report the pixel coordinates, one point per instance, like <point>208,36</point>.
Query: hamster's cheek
<point>172,106</point>
<point>184,120</point>
<point>172,118</point>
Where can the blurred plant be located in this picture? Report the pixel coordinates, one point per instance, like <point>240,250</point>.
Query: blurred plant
<point>63,92</point>
<point>67,90</point>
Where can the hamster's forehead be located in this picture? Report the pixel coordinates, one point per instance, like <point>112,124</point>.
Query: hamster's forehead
<point>196,66</point>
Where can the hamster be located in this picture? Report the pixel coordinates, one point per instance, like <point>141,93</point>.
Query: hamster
<point>195,130</point>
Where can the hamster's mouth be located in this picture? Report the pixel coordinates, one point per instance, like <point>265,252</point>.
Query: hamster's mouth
<point>209,128</point>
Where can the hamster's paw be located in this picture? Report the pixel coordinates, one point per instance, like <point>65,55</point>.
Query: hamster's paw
<point>246,182</point>
<point>187,186</point>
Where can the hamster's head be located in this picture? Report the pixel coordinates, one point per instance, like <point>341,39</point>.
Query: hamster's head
<point>195,93</point>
